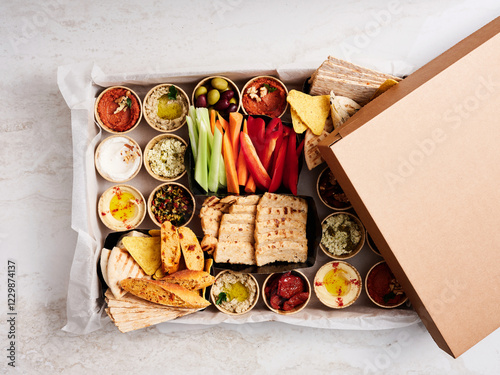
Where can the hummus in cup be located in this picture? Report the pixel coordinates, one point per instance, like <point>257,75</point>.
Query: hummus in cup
<point>122,207</point>
<point>166,107</point>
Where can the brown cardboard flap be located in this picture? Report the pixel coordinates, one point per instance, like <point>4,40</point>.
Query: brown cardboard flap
<point>421,166</point>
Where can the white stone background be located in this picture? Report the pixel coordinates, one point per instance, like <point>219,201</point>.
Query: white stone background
<point>126,36</point>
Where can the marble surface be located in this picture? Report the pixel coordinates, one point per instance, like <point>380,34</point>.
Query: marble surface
<point>36,169</point>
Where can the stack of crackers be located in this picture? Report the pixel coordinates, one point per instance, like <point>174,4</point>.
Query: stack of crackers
<point>347,79</point>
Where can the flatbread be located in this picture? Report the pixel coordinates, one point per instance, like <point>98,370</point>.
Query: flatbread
<point>242,209</point>
<point>281,251</point>
<point>104,264</point>
<point>311,151</point>
<point>120,266</point>
<point>235,252</point>
<point>269,213</point>
<point>237,232</point>
<point>279,200</point>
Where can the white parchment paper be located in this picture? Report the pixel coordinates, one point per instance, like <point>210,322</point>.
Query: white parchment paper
<point>79,84</point>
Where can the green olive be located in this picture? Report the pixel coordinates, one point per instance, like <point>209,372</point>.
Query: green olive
<point>202,90</point>
<point>213,97</point>
<point>233,101</point>
<point>219,84</point>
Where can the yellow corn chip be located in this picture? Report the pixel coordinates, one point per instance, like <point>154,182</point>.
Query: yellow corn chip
<point>154,232</point>
<point>312,110</point>
<point>145,251</point>
<point>298,125</point>
<point>384,87</point>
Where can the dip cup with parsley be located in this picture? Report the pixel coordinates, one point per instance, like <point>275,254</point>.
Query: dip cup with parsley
<point>234,293</point>
<point>164,157</point>
<point>343,235</point>
<point>171,202</point>
<point>166,107</point>
<point>383,288</point>
<point>118,110</point>
<point>264,95</point>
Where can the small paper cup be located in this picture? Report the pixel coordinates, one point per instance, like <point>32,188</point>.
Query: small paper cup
<point>368,291</point>
<point>330,300</point>
<point>213,297</point>
<point>250,82</point>
<point>206,82</point>
<point>98,118</point>
<point>151,197</point>
<point>107,218</point>
<point>340,208</point>
<point>295,309</point>
<point>150,121</point>
<point>150,145</point>
<point>98,152</point>
<point>360,243</point>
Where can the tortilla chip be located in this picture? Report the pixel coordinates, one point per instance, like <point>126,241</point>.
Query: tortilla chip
<point>298,126</point>
<point>145,251</point>
<point>312,110</point>
<point>159,274</point>
<point>384,87</point>
<point>154,232</point>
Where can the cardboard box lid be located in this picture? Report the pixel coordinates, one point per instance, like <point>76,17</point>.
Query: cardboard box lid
<point>421,165</point>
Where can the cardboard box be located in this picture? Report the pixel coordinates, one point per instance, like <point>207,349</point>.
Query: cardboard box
<point>421,166</point>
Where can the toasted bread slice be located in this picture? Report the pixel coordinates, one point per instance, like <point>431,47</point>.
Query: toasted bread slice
<point>170,249</point>
<point>272,225</point>
<point>164,293</point>
<point>242,209</point>
<point>237,219</point>
<point>236,232</point>
<point>279,200</point>
<point>281,251</point>
<point>235,252</point>
<point>269,213</point>
<point>192,280</point>
<point>191,249</point>
<point>296,234</point>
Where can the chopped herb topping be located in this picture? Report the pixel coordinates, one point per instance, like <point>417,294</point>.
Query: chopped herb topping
<point>269,87</point>
<point>129,102</point>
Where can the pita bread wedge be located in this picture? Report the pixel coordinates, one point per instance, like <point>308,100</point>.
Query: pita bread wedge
<point>235,252</point>
<point>120,266</point>
<point>191,249</point>
<point>170,249</point>
<point>311,141</point>
<point>145,251</point>
<point>164,293</point>
<point>281,251</point>
<point>104,264</point>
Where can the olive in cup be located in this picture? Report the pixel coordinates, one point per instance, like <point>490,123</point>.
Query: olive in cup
<point>217,93</point>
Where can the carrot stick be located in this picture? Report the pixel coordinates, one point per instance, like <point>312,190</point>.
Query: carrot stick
<point>223,122</point>
<point>235,121</point>
<point>212,120</point>
<point>218,126</point>
<point>232,177</point>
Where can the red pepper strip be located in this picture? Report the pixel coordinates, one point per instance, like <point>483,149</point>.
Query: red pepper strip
<point>292,163</point>
<point>279,167</point>
<point>300,148</point>
<point>273,132</point>
<point>254,164</point>
<point>257,133</point>
<point>286,131</point>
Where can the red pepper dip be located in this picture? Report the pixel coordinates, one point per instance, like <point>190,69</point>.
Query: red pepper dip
<point>118,109</point>
<point>383,288</point>
<point>287,292</point>
<point>264,96</point>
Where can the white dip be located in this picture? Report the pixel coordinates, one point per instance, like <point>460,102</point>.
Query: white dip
<point>118,159</point>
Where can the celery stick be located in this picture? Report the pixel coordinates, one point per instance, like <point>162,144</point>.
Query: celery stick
<point>193,137</point>
<point>222,173</point>
<point>200,171</point>
<point>213,174</point>
<point>192,113</point>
